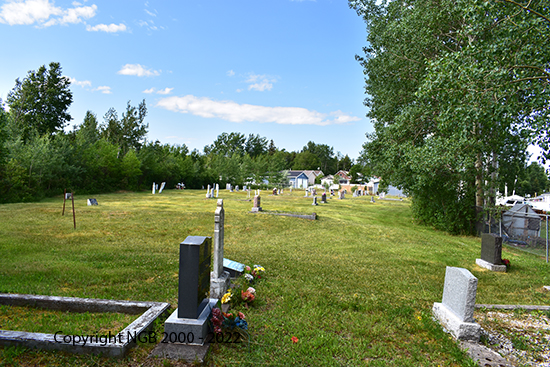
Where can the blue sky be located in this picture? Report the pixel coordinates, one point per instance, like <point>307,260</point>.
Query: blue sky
<point>282,69</point>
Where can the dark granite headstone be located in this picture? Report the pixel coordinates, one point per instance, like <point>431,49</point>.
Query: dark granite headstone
<point>92,202</point>
<point>194,276</point>
<point>324,197</point>
<point>491,248</point>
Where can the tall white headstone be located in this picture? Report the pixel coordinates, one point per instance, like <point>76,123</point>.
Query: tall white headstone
<point>154,188</point>
<point>162,187</point>
<point>219,279</point>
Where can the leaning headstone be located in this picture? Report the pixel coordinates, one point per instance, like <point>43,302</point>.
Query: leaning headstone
<point>194,306</point>
<point>154,188</point>
<point>257,207</point>
<point>456,311</point>
<point>314,201</point>
<point>234,268</point>
<point>219,279</point>
<point>162,187</point>
<point>491,253</point>
<point>92,202</point>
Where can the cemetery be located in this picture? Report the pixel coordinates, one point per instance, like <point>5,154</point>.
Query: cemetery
<point>360,285</point>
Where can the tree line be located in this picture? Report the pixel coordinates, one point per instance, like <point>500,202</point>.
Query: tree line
<point>40,158</point>
<point>456,90</point>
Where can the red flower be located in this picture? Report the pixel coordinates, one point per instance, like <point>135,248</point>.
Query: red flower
<point>294,339</point>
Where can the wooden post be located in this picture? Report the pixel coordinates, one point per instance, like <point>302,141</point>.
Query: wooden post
<point>64,196</point>
<point>74,217</point>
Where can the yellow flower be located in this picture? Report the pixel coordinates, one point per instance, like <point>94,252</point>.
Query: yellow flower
<point>259,268</point>
<point>419,317</point>
<point>226,297</point>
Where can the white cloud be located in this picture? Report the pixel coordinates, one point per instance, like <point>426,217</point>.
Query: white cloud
<point>109,28</point>
<point>230,73</point>
<point>84,83</point>
<point>43,13</point>
<point>234,112</point>
<point>260,82</point>
<point>165,91</point>
<point>138,70</point>
<point>103,89</point>
<point>150,13</point>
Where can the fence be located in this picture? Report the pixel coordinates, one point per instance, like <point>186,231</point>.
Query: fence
<point>524,231</point>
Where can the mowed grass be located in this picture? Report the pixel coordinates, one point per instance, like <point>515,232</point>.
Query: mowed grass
<point>355,287</point>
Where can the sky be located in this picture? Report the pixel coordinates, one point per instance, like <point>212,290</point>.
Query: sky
<point>283,69</point>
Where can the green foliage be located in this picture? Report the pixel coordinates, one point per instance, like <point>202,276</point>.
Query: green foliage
<point>453,88</point>
<point>40,102</point>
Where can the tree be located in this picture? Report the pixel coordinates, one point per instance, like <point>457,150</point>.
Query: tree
<point>255,145</point>
<point>451,85</point>
<point>129,132</point>
<point>227,144</point>
<point>41,101</point>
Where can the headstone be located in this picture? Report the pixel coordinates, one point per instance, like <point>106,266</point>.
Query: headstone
<point>157,187</point>
<point>257,207</point>
<point>219,279</point>
<point>234,268</point>
<point>456,311</point>
<point>237,188</point>
<point>217,190</point>
<point>314,201</point>
<point>194,275</point>
<point>342,195</point>
<point>228,186</point>
<point>92,202</point>
<point>314,192</point>
<point>355,194</point>
<point>372,199</point>
<point>324,198</point>
<point>491,253</point>
<point>194,306</point>
<point>274,191</point>
<point>68,195</point>
<point>154,188</point>
<point>162,187</point>
<point>305,195</point>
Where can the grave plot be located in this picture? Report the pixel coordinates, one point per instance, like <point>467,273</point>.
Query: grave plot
<point>108,344</point>
<point>520,335</point>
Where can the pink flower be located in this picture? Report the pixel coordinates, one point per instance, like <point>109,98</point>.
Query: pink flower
<point>241,315</point>
<point>247,268</point>
<point>251,290</point>
<point>294,339</point>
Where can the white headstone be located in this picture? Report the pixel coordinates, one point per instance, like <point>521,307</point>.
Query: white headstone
<point>456,311</point>
<point>219,279</point>
<point>154,188</point>
<point>162,187</point>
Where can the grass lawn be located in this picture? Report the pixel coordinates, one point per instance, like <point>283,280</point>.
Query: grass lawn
<point>355,287</point>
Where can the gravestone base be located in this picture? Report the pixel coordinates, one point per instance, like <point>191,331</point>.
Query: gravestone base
<point>255,210</point>
<point>176,351</point>
<point>459,329</point>
<point>492,267</point>
<point>197,327</point>
<point>218,286</point>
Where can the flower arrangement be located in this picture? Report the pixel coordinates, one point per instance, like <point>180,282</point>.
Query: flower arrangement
<point>248,296</point>
<point>254,273</point>
<point>221,320</point>
<point>506,262</point>
<point>226,297</point>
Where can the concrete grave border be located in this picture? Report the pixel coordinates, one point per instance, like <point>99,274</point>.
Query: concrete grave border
<point>117,349</point>
<point>313,216</point>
